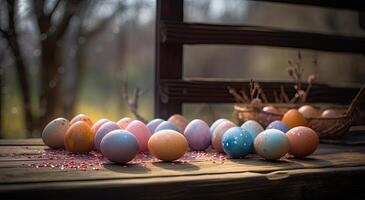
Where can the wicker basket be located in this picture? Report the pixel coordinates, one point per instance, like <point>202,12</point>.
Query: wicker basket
<point>326,127</point>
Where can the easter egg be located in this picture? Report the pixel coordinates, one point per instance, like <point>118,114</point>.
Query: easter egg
<point>271,109</point>
<point>309,111</point>
<point>152,125</point>
<point>54,133</point>
<point>82,117</point>
<point>167,145</point>
<point>142,133</point>
<point>179,121</point>
<point>271,144</point>
<point>166,125</point>
<point>119,146</point>
<point>253,127</point>
<point>103,130</point>
<point>279,125</point>
<point>329,113</point>
<point>123,123</point>
<point>218,134</point>
<point>79,138</point>
<point>98,124</point>
<point>237,142</point>
<point>294,118</point>
<point>215,124</point>
<point>303,141</point>
<point>198,135</point>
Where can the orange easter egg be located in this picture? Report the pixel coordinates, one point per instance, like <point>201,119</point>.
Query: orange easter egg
<point>82,117</point>
<point>179,121</point>
<point>309,111</point>
<point>294,118</point>
<point>167,145</point>
<point>79,138</point>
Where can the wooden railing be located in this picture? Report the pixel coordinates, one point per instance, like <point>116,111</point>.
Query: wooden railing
<point>171,90</point>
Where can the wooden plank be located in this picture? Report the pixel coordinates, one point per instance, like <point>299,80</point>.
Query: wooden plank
<point>176,32</point>
<point>22,142</point>
<point>168,57</point>
<point>338,4</point>
<point>194,91</point>
<point>346,164</point>
<point>18,170</point>
<point>295,184</point>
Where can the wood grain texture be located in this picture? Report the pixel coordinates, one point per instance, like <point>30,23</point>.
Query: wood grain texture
<point>217,91</point>
<point>169,57</point>
<point>176,32</point>
<point>330,168</point>
<point>338,4</point>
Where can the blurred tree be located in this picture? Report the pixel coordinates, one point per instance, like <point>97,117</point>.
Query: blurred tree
<point>9,33</point>
<point>83,35</point>
<point>53,20</point>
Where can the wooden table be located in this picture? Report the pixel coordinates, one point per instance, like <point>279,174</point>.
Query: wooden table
<point>334,171</point>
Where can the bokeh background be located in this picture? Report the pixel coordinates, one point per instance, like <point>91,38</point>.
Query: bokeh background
<point>59,57</point>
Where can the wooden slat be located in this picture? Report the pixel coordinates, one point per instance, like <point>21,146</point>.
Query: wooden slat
<point>331,167</point>
<point>168,56</point>
<point>338,4</point>
<point>327,156</point>
<point>194,91</point>
<point>315,184</point>
<point>173,32</point>
<point>21,142</point>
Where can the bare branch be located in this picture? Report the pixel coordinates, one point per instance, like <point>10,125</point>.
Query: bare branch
<point>50,14</point>
<point>132,102</point>
<point>104,23</point>
<point>4,33</point>
<point>71,7</point>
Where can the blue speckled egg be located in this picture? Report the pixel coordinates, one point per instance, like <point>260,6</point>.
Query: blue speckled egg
<point>166,125</point>
<point>215,124</point>
<point>152,125</point>
<point>271,144</point>
<point>119,146</point>
<point>198,135</point>
<point>279,125</point>
<point>253,127</point>
<point>237,142</point>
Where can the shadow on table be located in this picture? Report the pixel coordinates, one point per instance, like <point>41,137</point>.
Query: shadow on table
<point>176,166</point>
<point>127,168</point>
<point>286,163</point>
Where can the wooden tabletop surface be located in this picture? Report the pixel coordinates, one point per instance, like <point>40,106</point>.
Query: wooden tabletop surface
<point>333,170</point>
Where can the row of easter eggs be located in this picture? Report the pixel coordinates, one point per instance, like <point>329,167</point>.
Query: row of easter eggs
<point>307,111</point>
<point>120,141</point>
<point>167,140</point>
<point>271,143</point>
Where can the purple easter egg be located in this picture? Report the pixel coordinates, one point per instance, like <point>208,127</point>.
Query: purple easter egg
<point>119,146</point>
<point>103,130</point>
<point>167,125</point>
<point>198,134</point>
<point>279,125</point>
<point>152,125</point>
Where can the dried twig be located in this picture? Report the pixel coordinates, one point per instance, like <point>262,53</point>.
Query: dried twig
<point>133,102</point>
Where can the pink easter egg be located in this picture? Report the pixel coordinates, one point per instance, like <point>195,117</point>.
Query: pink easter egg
<point>123,123</point>
<point>142,133</point>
